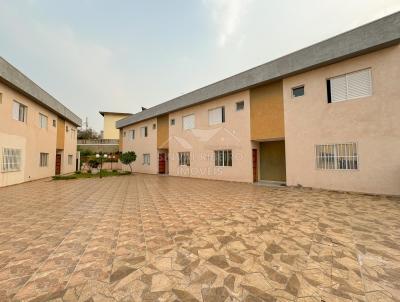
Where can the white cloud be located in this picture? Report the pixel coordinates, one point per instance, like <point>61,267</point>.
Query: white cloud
<point>227,16</point>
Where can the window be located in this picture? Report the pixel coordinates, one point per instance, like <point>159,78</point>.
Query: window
<point>42,121</point>
<point>132,134</point>
<point>216,116</point>
<point>54,123</point>
<point>19,112</point>
<point>66,128</point>
<point>184,158</point>
<point>349,86</point>
<point>70,158</point>
<point>146,159</point>
<point>297,91</point>
<point>11,160</point>
<point>124,133</point>
<point>73,133</point>
<point>188,122</point>
<point>239,105</point>
<point>172,122</point>
<point>1,98</point>
<point>44,158</point>
<point>154,126</point>
<point>143,131</point>
<point>337,156</point>
<point>223,158</point>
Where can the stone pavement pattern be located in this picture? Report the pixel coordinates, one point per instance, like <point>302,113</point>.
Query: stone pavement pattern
<point>152,238</point>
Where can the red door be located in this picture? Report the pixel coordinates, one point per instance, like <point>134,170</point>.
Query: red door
<point>58,164</point>
<point>161,163</point>
<point>255,169</point>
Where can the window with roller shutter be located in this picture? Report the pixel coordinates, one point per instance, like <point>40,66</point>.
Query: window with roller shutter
<point>188,122</point>
<point>350,86</point>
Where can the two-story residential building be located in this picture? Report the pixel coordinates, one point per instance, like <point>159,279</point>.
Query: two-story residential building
<point>37,133</point>
<point>326,116</point>
<point>110,131</point>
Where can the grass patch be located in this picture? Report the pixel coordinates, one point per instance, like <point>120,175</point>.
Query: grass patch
<point>79,174</point>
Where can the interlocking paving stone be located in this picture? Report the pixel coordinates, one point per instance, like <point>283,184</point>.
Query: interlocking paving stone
<point>152,238</point>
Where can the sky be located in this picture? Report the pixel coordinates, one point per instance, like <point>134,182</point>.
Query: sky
<point>95,55</point>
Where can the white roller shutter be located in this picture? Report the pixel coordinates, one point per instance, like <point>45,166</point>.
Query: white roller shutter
<point>338,88</point>
<point>351,85</point>
<point>359,84</point>
<point>188,122</point>
<point>215,116</point>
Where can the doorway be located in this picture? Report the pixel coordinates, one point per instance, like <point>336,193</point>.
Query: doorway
<point>58,164</point>
<point>162,158</point>
<point>272,161</point>
<point>255,166</point>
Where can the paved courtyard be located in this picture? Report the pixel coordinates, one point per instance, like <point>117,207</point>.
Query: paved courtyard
<point>152,238</point>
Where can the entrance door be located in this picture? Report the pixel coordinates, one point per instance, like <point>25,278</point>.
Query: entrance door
<point>161,163</point>
<point>272,161</point>
<point>255,168</point>
<point>58,164</point>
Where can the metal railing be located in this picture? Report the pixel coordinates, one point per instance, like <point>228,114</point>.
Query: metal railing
<point>98,141</point>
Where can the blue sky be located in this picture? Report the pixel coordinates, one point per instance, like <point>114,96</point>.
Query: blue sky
<point>120,55</point>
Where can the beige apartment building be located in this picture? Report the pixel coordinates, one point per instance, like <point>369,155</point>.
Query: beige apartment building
<point>110,131</point>
<point>326,116</point>
<point>37,133</point>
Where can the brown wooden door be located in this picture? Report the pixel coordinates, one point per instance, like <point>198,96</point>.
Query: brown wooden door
<point>161,163</point>
<point>255,168</point>
<point>58,164</point>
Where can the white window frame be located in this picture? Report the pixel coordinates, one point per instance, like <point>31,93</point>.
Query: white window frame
<point>11,161</point>
<point>297,87</point>
<point>330,157</point>
<point>223,158</point>
<point>44,159</point>
<point>146,158</point>
<point>144,131</point>
<point>70,159</point>
<point>211,121</point>
<point>132,134</point>
<point>19,113</point>
<point>184,158</point>
<point>189,124</point>
<point>43,121</point>
<point>346,78</point>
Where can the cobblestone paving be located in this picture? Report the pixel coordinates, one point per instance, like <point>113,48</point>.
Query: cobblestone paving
<point>151,238</point>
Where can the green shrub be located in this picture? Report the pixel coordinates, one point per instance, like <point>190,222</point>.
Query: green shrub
<point>64,177</point>
<point>128,158</point>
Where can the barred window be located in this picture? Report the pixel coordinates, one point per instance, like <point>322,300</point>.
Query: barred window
<point>44,158</point>
<point>11,160</point>
<point>184,158</point>
<point>223,158</point>
<point>337,156</point>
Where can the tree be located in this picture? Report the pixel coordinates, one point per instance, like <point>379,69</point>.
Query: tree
<point>128,158</point>
<point>88,133</point>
